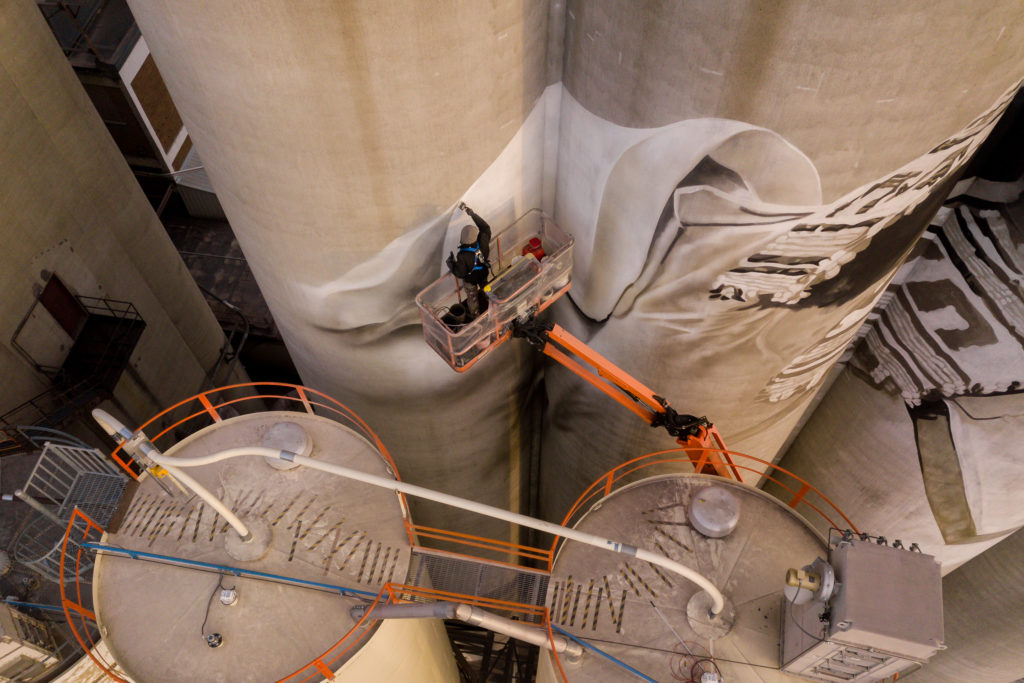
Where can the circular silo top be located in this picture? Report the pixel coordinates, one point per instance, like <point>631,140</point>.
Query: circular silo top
<point>172,619</point>
<point>637,611</point>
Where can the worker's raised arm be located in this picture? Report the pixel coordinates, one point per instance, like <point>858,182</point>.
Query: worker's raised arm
<point>485,232</point>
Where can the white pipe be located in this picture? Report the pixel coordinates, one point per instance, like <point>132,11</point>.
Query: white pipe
<point>475,616</point>
<point>138,441</point>
<point>200,490</point>
<point>518,630</point>
<point>718,601</point>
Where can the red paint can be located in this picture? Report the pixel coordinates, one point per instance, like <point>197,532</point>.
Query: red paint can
<point>534,247</point>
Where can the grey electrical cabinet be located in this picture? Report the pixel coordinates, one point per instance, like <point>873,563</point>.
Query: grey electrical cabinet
<point>884,617</point>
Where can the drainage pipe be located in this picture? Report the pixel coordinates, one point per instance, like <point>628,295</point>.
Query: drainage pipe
<point>409,610</point>
<point>138,442</point>
<point>718,601</point>
<point>476,617</point>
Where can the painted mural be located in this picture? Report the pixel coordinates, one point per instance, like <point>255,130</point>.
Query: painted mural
<point>710,252</point>
<point>950,344</point>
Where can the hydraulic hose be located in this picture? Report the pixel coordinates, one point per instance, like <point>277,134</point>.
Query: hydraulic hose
<point>718,601</point>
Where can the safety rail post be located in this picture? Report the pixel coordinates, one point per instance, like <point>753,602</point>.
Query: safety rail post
<point>209,407</point>
<point>799,495</point>
<point>301,391</point>
<point>409,531</point>
<point>322,668</point>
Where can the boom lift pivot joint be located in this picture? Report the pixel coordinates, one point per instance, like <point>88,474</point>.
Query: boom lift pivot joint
<point>678,425</point>
<point>532,330</point>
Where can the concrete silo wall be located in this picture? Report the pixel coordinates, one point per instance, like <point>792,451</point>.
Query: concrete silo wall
<point>935,390</point>
<point>338,137</point>
<point>70,207</point>
<point>984,609</point>
<point>743,180</point>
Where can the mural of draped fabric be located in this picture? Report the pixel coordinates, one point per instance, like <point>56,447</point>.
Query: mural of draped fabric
<point>743,291</point>
<point>947,346</point>
<point>340,144</point>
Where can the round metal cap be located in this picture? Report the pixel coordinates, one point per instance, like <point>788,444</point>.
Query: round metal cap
<point>287,436</point>
<point>714,511</point>
<point>228,597</point>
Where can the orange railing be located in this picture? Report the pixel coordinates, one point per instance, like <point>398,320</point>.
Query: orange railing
<point>506,548</point>
<point>78,616</point>
<point>676,459</point>
<point>206,408</point>
<point>698,458</point>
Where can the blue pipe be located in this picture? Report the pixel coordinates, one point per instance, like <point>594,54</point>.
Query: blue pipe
<point>48,608</point>
<point>138,554</point>
<point>604,654</point>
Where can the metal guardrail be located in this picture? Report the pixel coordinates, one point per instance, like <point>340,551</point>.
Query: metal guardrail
<point>803,493</point>
<point>74,562</point>
<point>64,478</point>
<point>210,407</point>
<point>459,574</point>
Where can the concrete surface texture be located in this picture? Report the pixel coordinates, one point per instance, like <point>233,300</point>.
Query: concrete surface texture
<point>638,613</point>
<point>69,205</point>
<point>935,385</point>
<point>337,150</point>
<point>860,88</point>
<point>743,289</point>
<point>984,606</point>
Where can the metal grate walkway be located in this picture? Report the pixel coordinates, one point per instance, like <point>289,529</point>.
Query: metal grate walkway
<point>479,578</point>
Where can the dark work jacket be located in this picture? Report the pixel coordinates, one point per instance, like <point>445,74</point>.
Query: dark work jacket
<point>470,263</point>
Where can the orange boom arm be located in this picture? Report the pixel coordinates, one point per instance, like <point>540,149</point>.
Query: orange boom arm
<point>689,431</point>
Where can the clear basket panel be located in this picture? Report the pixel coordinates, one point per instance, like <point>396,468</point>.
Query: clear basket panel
<point>520,284</point>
